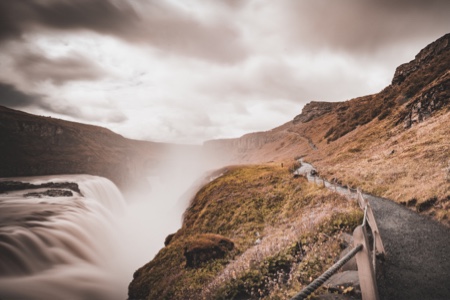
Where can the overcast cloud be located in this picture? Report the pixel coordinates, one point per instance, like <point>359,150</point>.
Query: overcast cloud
<point>188,71</point>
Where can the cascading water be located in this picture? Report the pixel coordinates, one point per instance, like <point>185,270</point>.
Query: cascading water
<point>88,246</point>
<point>63,247</point>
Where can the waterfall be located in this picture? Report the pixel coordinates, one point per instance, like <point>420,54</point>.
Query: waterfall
<point>89,245</point>
<point>61,247</point>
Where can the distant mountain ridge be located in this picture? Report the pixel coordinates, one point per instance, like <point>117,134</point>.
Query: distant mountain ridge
<point>35,145</point>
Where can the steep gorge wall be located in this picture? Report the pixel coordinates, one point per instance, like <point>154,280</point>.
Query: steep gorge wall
<point>33,145</point>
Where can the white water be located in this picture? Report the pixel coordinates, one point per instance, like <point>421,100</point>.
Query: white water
<point>74,247</point>
<point>89,247</point>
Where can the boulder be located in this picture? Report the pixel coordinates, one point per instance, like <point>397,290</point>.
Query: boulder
<point>206,247</point>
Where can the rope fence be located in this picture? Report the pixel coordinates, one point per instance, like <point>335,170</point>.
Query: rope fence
<point>365,257</point>
<point>325,276</point>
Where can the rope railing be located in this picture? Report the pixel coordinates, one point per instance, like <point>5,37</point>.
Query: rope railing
<point>325,276</point>
<point>366,264</point>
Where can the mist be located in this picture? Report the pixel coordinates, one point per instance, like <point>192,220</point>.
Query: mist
<point>152,214</point>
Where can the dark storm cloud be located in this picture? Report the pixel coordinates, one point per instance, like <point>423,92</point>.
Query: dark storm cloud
<point>365,26</point>
<point>36,67</point>
<point>19,17</point>
<point>155,23</point>
<point>12,97</point>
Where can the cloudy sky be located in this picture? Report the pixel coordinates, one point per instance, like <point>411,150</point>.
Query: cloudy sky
<point>190,70</point>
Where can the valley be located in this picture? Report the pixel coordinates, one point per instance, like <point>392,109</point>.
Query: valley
<point>251,228</point>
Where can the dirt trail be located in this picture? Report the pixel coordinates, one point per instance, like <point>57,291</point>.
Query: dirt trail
<point>417,263</point>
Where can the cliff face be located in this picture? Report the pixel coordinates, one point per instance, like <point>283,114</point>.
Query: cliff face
<point>313,110</point>
<point>423,58</point>
<point>33,145</point>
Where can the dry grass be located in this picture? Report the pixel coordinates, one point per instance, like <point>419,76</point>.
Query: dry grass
<point>380,157</point>
<point>284,230</point>
<point>413,164</point>
<point>362,142</point>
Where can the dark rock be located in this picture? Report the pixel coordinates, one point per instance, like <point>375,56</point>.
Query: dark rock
<point>9,186</point>
<point>168,239</point>
<point>313,110</point>
<point>428,102</point>
<point>421,59</point>
<point>426,205</point>
<point>410,202</point>
<point>50,193</point>
<point>206,247</point>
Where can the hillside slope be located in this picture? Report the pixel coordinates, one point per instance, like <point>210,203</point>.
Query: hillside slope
<point>256,232</point>
<point>393,144</point>
<point>34,145</point>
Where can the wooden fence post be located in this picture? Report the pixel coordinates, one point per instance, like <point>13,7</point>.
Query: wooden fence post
<point>372,223</point>
<point>366,274</point>
<point>375,231</point>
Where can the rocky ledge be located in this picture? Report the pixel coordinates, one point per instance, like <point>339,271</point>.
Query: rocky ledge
<point>56,189</point>
<point>50,193</point>
<point>421,59</point>
<point>313,110</point>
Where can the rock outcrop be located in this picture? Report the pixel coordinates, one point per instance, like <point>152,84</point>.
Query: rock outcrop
<point>430,100</point>
<point>9,186</point>
<point>206,247</point>
<point>422,59</point>
<point>49,193</point>
<point>313,110</point>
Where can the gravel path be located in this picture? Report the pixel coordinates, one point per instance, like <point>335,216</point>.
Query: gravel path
<point>417,263</point>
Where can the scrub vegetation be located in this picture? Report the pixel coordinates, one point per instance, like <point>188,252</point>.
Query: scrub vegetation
<point>285,232</point>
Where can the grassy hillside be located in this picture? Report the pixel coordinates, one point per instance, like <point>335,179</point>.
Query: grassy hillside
<point>393,144</point>
<point>283,230</point>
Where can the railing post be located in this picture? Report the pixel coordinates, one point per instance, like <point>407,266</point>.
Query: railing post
<point>372,223</point>
<point>366,274</point>
<point>375,231</point>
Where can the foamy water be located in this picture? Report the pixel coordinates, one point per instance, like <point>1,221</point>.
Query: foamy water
<point>81,247</point>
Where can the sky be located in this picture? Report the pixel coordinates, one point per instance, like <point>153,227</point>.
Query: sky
<point>186,71</point>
